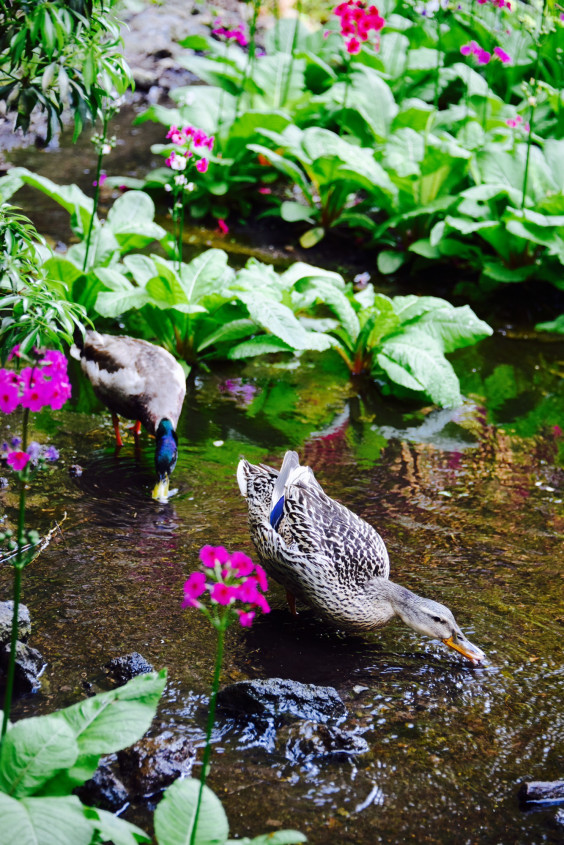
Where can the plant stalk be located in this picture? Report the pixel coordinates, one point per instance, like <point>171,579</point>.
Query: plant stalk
<point>250,64</point>
<point>18,567</point>
<point>288,78</point>
<point>532,111</point>
<point>105,120</point>
<point>211,719</point>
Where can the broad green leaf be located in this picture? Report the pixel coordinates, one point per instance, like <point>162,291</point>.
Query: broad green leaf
<point>43,821</point>
<point>389,261</point>
<point>110,721</point>
<point>552,326</point>
<point>205,275</point>
<point>114,304</point>
<point>276,318</point>
<point>277,837</point>
<point>285,166</point>
<point>114,829</point>
<point>293,212</point>
<point>453,327</point>
<point>415,361</point>
<point>33,751</point>
<point>175,816</point>
<point>321,290</point>
<point>264,344</point>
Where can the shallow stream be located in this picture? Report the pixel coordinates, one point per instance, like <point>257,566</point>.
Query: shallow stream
<point>469,503</point>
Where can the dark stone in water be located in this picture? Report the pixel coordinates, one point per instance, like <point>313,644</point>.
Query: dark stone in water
<point>104,789</point>
<point>277,697</point>
<point>154,763</point>
<point>541,791</point>
<point>311,740</point>
<point>123,669</point>
<point>29,666</point>
<point>6,615</point>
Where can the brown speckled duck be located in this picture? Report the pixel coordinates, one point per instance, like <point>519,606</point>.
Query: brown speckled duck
<point>331,559</point>
<point>142,382</point>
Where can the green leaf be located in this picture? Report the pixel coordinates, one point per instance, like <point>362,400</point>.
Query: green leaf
<point>33,751</point>
<point>389,261</point>
<point>293,212</point>
<point>278,837</point>
<point>110,721</point>
<point>175,815</point>
<point>415,361</point>
<point>43,821</point>
<point>312,237</point>
<point>263,344</point>
<point>552,326</point>
<point>114,829</point>
<point>278,319</point>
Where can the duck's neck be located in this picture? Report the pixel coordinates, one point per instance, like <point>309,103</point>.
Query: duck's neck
<point>391,600</point>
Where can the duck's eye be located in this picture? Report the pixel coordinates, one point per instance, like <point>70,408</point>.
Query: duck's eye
<point>438,619</point>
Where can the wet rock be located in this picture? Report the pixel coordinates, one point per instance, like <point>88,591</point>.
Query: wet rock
<point>154,763</point>
<point>123,669</point>
<point>75,471</point>
<point>29,666</point>
<point>104,789</point>
<point>541,791</point>
<point>311,740</point>
<point>24,622</point>
<point>277,697</point>
<point>560,817</point>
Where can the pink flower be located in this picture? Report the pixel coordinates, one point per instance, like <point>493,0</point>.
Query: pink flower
<point>194,587</point>
<point>18,460</point>
<point>483,57</point>
<point>261,578</point>
<point>103,177</point>
<point>223,594</point>
<point>222,226</point>
<point>202,165</point>
<point>246,617</point>
<point>242,565</point>
<point>264,190</point>
<point>466,49</point>
<point>511,123</point>
<point>174,134</point>
<point>210,555</point>
<point>502,55</point>
<point>353,47</point>
<point>15,353</point>
<point>9,397</point>
<point>37,396</point>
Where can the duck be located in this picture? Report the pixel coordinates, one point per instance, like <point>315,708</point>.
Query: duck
<point>331,559</point>
<point>140,381</point>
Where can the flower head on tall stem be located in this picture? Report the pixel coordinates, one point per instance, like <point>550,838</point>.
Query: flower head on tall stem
<point>357,20</point>
<point>236,33</point>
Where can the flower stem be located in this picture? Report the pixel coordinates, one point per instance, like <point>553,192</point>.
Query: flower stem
<point>105,117</point>
<point>18,566</point>
<point>439,62</point>
<point>288,79</point>
<point>211,719</point>
<point>532,111</point>
<point>252,51</point>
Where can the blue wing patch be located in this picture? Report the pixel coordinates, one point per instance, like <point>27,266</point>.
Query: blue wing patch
<point>276,513</point>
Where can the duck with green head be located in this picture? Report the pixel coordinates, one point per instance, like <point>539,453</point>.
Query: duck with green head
<point>331,559</point>
<point>142,382</point>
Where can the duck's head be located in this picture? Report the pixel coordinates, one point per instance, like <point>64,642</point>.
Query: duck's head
<point>434,620</point>
<point>166,453</point>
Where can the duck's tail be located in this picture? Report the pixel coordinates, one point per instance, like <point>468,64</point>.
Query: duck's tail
<point>290,463</point>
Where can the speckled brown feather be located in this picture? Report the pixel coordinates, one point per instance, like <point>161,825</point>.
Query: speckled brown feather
<point>321,551</point>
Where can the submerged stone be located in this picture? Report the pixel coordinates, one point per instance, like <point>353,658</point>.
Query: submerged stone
<point>104,789</point>
<point>29,666</point>
<point>6,615</point>
<point>277,697</point>
<point>154,763</point>
<point>311,740</point>
<point>123,669</point>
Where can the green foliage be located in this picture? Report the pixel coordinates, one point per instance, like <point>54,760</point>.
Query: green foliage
<point>57,54</point>
<point>43,758</point>
<point>30,315</point>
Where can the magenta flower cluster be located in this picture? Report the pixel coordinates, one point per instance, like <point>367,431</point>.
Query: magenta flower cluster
<point>45,383</point>
<point>500,4</point>
<point>195,143</point>
<point>229,579</point>
<point>225,34</point>
<point>483,56</point>
<point>356,22</point>
<point>514,122</point>
<point>39,386</point>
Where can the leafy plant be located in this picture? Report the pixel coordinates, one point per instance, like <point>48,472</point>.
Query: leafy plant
<point>54,54</point>
<point>30,316</point>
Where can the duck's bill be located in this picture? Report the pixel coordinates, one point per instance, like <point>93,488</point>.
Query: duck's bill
<point>466,648</point>
<point>160,491</point>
